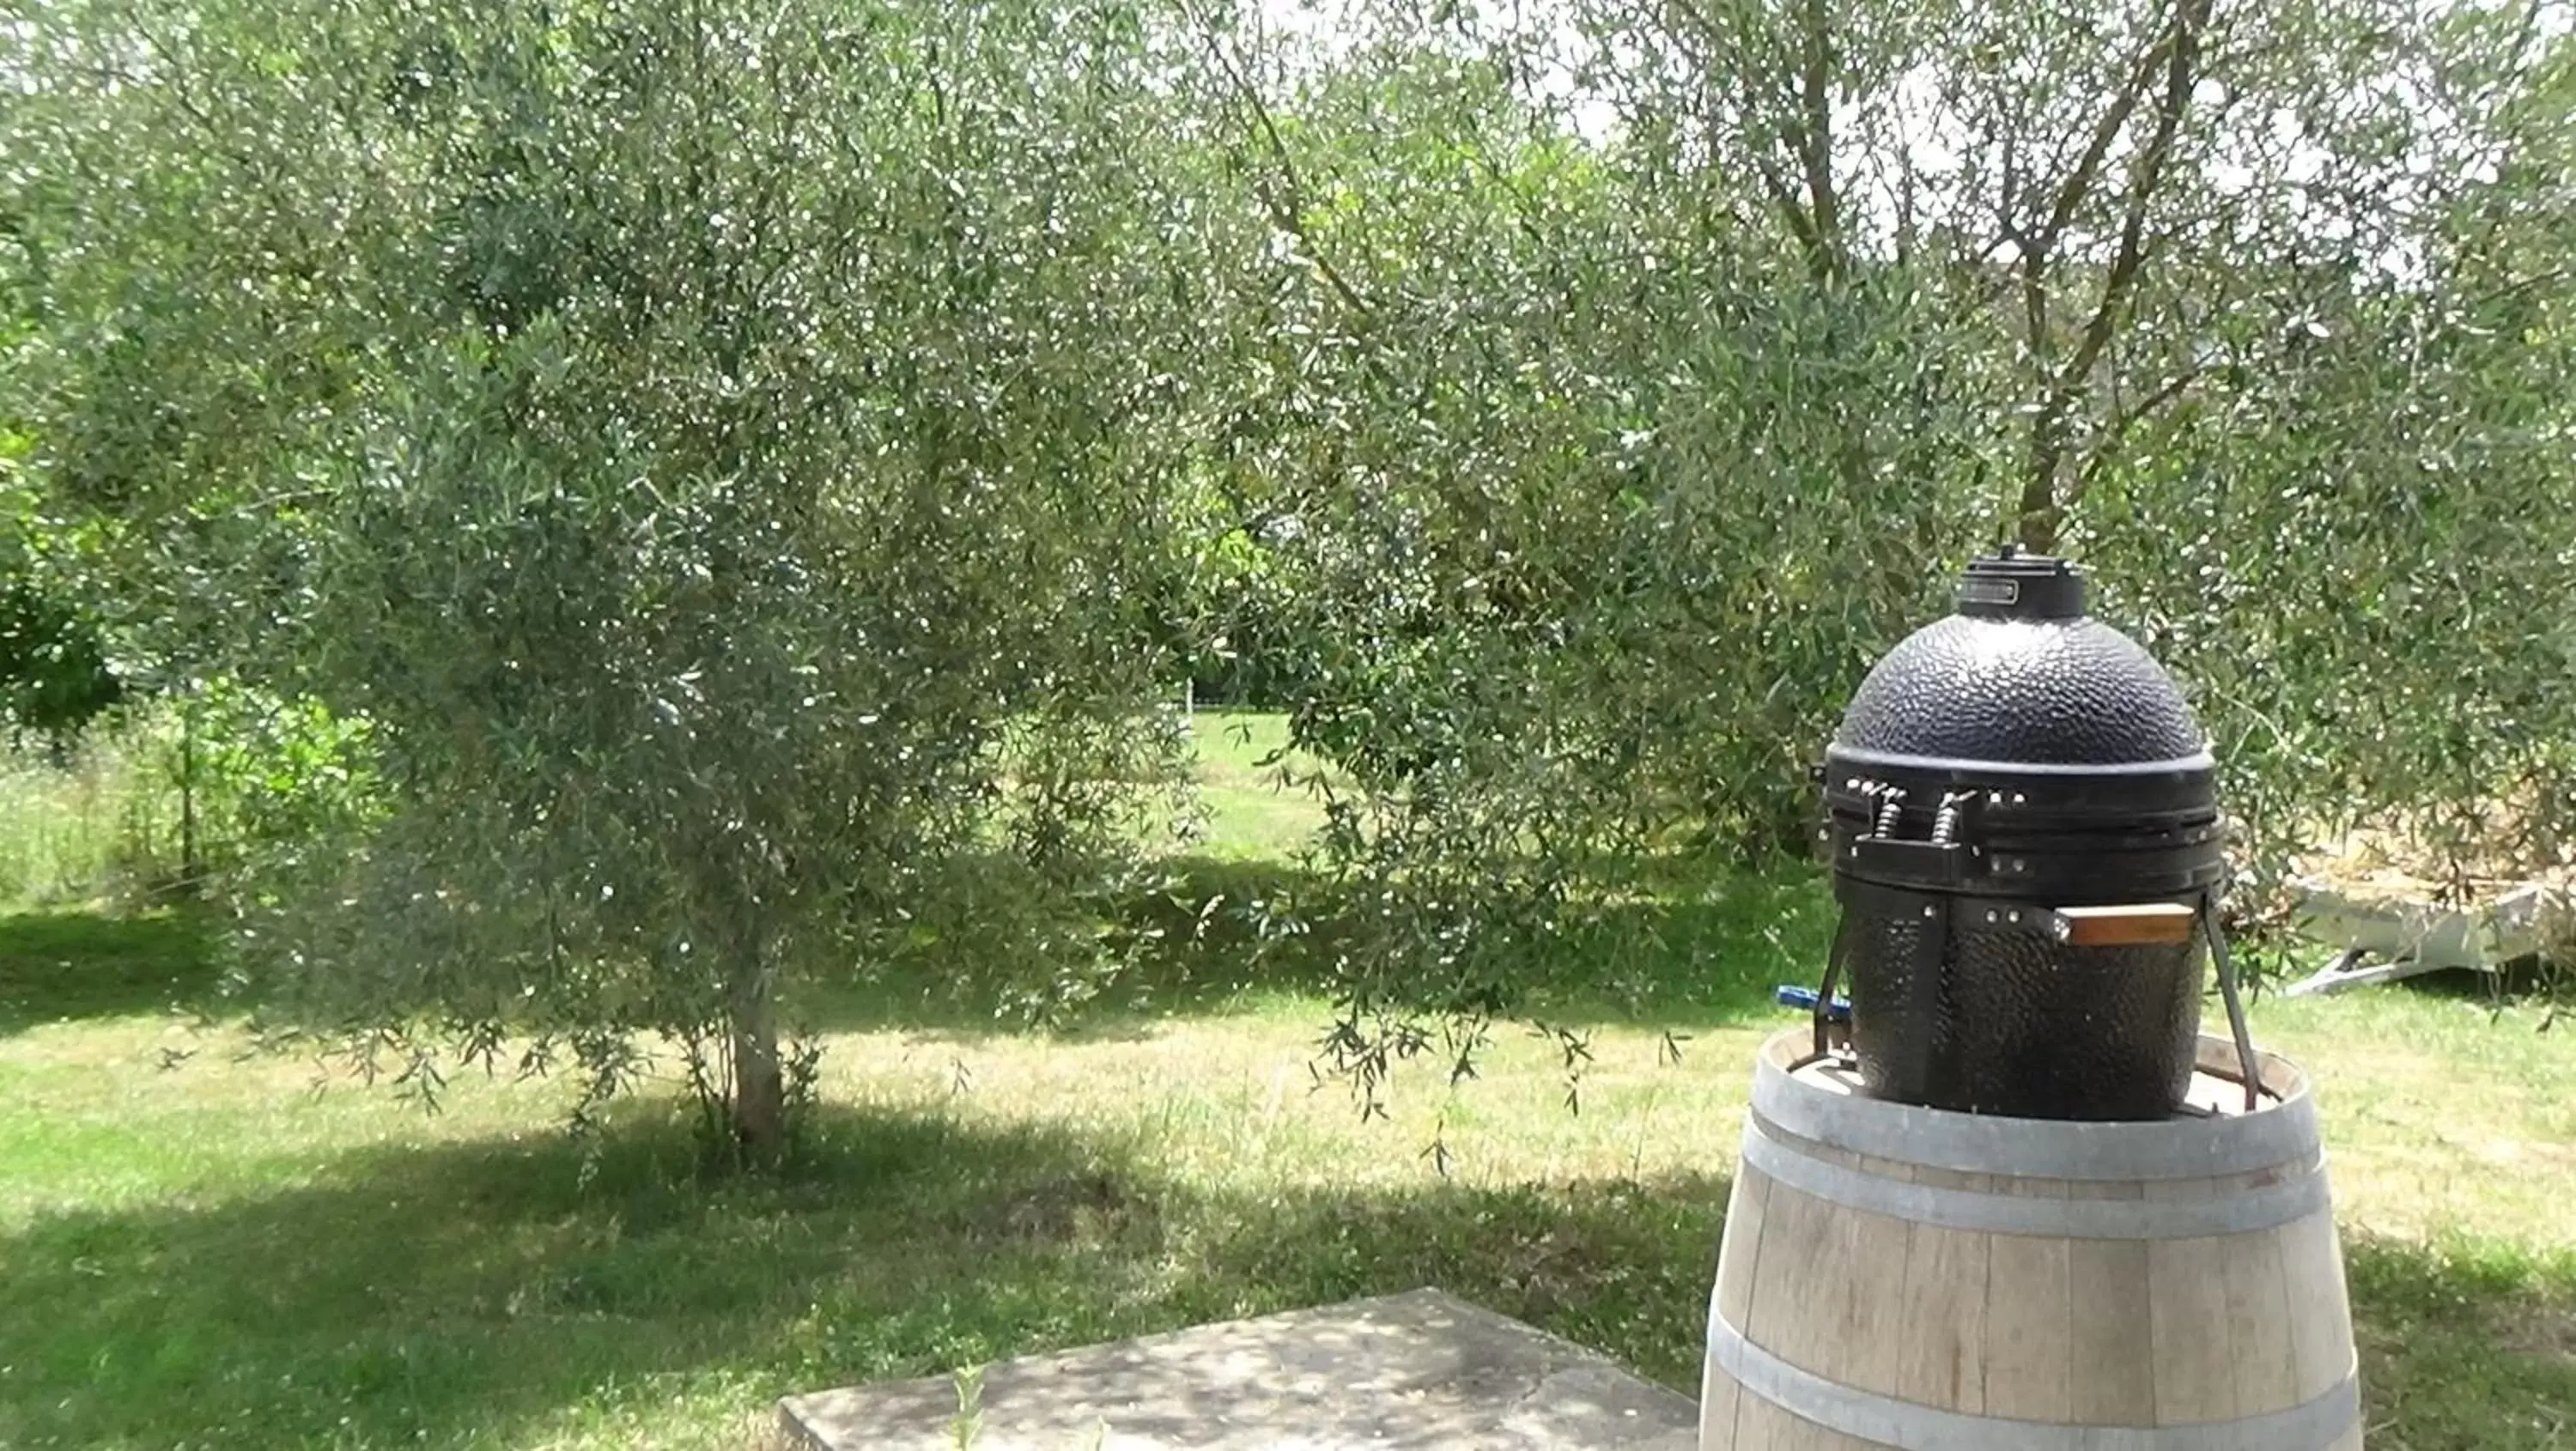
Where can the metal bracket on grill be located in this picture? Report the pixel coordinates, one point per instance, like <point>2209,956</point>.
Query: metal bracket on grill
<point>1927,863</point>
<point>2235,1001</point>
<point>1833,1029</point>
<point>2040,921</point>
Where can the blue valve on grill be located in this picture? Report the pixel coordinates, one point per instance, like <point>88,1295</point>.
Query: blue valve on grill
<point>1790,995</point>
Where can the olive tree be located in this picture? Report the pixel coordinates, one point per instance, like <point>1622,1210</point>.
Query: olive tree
<point>1644,366</point>
<point>717,447</point>
<point>1587,490</point>
<point>2245,301</point>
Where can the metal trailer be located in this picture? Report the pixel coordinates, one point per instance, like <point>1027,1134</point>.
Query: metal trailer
<point>2383,939</point>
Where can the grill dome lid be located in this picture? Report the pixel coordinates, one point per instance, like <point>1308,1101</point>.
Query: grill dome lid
<point>2020,676</point>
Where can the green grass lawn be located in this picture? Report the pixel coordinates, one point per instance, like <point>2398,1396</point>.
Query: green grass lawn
<point>201,1247</point>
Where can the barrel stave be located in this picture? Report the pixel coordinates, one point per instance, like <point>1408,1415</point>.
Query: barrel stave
<point>1887,1303</point>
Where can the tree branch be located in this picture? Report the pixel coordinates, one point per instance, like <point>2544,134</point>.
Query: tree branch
<point>2181,71</point>
<point>2117,428</point>
<point>1777,187</point>
<point>1816,138</point>
<point>1521,218</point>
<point>1286,213</point>
<point>1811,229</point>
<point>2501,291</point>
<point>175,83</point>
<point>2124,105</point>
<point>2041,510</point>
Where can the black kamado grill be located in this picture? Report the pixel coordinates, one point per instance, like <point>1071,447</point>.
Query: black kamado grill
<point>2027,851</point>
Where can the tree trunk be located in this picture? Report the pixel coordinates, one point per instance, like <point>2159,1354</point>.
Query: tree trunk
<point>188,794</point>
<point>2036,519</point>
<point>759,1087</point>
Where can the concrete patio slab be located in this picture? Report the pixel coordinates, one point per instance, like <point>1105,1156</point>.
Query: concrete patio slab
<point>1420,1371</point>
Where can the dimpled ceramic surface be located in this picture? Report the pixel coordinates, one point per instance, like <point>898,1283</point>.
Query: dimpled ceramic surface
<point>2046,692</point>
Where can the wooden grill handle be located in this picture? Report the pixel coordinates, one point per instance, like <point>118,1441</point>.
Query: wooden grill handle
<point>2133,924</point>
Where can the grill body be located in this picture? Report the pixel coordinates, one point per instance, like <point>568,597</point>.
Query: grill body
<point>2014,791</point>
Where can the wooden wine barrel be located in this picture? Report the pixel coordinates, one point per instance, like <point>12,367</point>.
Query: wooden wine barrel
<point>1902,1277</point>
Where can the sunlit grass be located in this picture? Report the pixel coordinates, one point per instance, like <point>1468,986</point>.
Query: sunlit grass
<point>1252,790</point>
<point>61,823</point>
<point>2444,1115</point>
<point>204,1247</point>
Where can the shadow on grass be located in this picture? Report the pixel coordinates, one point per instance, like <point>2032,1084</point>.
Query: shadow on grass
<point>482,1294</point>
<point>1700,949</point>
<point>1202,948</point>
<point>1704,951</point>
<point>2465,1345</point>
<point>486,1294</point>
<point>1694,953</point>
<point>2533,981</point>
<point>70,965</point>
